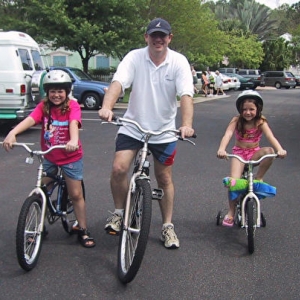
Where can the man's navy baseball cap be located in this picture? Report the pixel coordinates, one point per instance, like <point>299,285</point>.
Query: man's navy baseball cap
<point>160,25</point>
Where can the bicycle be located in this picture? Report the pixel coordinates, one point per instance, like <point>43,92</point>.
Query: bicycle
<point>248,213</point>
<point>138,208</point>
<point>50,201</point>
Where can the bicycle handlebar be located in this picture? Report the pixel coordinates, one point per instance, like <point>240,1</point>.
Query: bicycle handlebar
<point>252,162</point>
<point>36,152</point>
<point>118,121</point>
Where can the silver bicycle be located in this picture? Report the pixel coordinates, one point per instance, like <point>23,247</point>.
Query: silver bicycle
<point>49,201</point>
<point>138,208</point>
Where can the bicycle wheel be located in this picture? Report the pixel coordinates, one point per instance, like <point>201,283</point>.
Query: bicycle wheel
<point>68,219</point>
<point>133,241</point>
<point>250,223</point>
<point>28,236</point>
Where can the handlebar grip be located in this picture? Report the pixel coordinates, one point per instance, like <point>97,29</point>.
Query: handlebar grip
<point>194,135</point>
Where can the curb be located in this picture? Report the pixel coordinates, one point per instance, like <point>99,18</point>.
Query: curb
<point>120,105</point>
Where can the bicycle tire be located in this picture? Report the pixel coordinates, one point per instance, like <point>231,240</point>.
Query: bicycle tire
<point>250,224</point>
<point>28,237</point>
<point>68,219</point>
<point>219,216</point>
<point>132,245</point>
<point>263,220</point>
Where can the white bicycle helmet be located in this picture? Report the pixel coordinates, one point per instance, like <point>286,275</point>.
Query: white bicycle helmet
<point>57,79</point>
<point>248,94</point>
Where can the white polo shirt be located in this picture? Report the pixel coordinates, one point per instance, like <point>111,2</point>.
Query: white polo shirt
<point>153,102</point>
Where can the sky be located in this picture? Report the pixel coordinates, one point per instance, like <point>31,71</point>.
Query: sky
<point>276,3</point>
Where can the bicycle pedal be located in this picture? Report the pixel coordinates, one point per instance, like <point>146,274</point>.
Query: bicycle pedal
<point>157,194</point>
<point>112,232</point>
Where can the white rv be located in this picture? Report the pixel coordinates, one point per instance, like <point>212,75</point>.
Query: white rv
<point>20,58</point>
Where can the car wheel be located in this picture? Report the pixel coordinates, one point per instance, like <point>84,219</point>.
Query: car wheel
<point>278,85</point>
<point>91,101</point>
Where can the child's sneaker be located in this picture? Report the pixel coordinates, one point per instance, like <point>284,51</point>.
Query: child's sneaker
<point>228,221</point>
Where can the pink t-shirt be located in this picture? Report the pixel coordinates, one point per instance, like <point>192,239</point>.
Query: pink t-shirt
<point>58,132</point>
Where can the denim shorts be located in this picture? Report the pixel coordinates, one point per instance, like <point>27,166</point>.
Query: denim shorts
<point>164,153</point>
<point>72,170</point>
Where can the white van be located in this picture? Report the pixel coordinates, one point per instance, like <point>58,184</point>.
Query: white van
<point>20,57</point>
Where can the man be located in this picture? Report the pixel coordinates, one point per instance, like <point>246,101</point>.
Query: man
<point>157,75</point>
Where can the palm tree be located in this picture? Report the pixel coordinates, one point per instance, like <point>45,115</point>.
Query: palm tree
<point>247,15</point>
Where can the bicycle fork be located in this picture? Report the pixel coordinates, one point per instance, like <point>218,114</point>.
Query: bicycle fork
<point>251,195</point>
<point>38,191</point>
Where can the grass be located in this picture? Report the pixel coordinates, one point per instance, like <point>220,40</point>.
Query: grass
<point>127,92</point>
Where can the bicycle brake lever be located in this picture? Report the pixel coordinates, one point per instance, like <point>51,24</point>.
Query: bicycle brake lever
<point>187,140</point>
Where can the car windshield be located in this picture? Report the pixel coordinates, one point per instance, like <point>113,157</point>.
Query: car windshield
<point>234,75</point>
<point>81,75</point>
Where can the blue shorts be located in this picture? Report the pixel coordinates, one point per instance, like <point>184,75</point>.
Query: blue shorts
<point>72,170</point>
<point>164,153</point>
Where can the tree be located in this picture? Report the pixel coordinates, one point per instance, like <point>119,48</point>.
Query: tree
<point>278,55</point>
<point>109,27</point>
<point>193,24</point>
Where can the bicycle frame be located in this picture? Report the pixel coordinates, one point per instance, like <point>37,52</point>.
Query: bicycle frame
<point>141,165</point>
<point>143,152</point>
<point>38,190</point>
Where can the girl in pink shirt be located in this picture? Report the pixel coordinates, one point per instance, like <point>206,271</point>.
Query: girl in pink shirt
<point>61,119</point>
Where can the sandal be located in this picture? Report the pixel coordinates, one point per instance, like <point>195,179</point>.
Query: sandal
<point>228,221</point>
<point>85,242</point>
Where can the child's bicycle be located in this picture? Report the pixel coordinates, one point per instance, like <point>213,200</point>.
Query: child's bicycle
<point>248,213</point>
<point>138,208</point>
<point>50,201</point>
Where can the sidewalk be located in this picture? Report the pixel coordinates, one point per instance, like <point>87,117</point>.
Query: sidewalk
<point>121,105</point>
<point>201,98</point>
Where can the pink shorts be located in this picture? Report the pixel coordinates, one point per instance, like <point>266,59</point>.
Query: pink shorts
<point>245,153</point>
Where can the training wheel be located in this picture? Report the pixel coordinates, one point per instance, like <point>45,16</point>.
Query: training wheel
<point>219,218</point>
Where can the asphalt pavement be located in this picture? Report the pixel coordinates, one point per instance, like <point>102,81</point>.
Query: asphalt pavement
<point>212,262</point>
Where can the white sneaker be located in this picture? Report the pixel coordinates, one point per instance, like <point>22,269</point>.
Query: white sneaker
<point>169,237</point>
<point>113,226</point>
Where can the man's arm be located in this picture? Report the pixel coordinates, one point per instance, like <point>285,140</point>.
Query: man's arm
<point>110,98</point>
<point>187,113</point>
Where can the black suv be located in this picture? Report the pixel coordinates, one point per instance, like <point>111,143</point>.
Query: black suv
<point>87,91</point>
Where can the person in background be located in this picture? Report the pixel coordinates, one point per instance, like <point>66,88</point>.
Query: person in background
<point>157,76</point>
<point>205,83</point>
<point>219,84</point>
<point>195,79</point>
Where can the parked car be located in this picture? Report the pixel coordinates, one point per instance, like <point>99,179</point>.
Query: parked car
<point>279,79</point>
<point>87,91</point>
<point>254,74</point>
<point>297,80</point>
<point>245,83</point>
<point>233,81</point>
